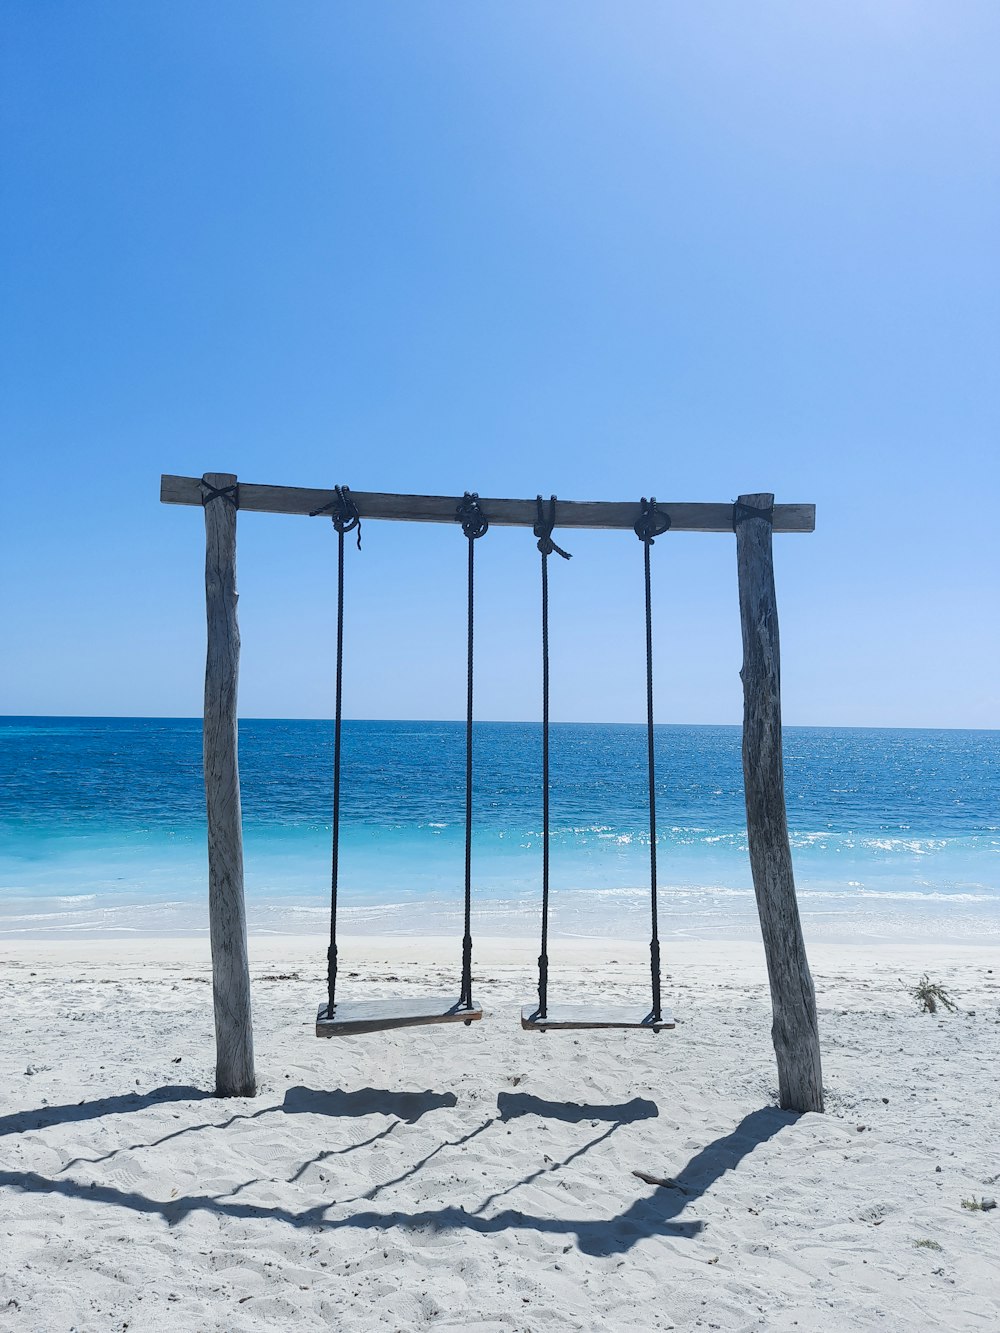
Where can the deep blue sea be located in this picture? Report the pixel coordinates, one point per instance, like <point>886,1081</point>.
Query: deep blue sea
<point>895,834</point>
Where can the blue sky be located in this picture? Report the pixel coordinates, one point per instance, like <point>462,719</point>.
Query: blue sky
<point>597,250</point>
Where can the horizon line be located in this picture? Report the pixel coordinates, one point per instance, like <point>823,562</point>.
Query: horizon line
<point>460,721</point>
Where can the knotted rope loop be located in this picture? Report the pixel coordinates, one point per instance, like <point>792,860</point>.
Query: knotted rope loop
<point>230,493</point>
<point>346,516</point>
<point>474,522</point>
<point>652,522</point>
<point>543,529</point>
<point>742,512</point>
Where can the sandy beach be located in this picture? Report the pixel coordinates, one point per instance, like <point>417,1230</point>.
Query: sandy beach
<point>484,1178</point>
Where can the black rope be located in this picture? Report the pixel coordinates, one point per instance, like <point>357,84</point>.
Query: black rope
<point>651,524</point>
<point>230,493</point>
<point>742,511</point>
<point>544,524</point>
<point>474,525</point>
<point>474,522</point>
<point>543,531</point>
<point>331,953</point>
<point>346,516</point>
<point>345,519</point>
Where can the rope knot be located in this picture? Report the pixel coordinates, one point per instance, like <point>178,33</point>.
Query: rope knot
<point>230,493</point>
<point>474,522</point>
<point>543,529</point>
<point>346,516</point>
<point>742,511</point>
<point>652,522</point>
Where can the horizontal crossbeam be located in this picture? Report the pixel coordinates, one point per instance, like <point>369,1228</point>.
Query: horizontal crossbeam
<point>684,517</point>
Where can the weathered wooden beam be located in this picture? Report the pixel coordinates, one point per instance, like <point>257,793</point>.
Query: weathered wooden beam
<point>793,1000</point>
<point>684,517</point>
<point>234,1066</point>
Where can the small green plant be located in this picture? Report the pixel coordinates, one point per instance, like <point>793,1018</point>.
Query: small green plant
<point>927,1244</point>
<point>974,1205</point>
<point>929,994</point>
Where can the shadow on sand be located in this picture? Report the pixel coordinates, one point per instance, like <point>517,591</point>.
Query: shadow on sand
<point>73,1112</point>
<point>512,1104</point>
<point>651,1215</point>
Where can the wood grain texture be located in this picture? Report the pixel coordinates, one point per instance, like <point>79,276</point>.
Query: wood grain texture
<point>793,1001</point>
<point>234,1066</point>
<point>572,1017</point>
<point>684,516</point>
<point>358,1016</point>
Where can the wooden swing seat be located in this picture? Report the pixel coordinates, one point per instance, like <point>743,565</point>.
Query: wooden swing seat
<point>569,1017</point>
<point>359,1016</point>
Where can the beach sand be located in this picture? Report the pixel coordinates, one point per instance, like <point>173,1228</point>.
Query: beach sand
<point>457,1178</point>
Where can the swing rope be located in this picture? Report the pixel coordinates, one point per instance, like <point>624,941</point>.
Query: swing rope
<point>346,518</point>
<point>651,524</point>
<point>543,531</point>
<point>474,525</point>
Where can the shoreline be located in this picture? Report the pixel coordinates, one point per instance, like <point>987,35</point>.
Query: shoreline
<point>720,917</point>
<point>728,957</point>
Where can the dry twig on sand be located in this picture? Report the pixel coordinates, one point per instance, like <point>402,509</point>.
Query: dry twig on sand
<point>929,995</point>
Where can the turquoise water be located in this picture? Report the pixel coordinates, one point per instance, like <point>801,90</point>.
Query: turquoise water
<point>895,834</point>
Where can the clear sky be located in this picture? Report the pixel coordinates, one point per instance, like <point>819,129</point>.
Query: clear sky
<point>602,250</point>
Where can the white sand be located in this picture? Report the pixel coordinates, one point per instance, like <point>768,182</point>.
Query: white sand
<point>480,1178</point>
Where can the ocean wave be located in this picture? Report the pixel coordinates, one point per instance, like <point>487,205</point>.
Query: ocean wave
<point>903,896</point>
<point>919,846</point>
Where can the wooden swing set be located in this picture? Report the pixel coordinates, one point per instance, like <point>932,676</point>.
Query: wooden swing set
<point>752,518</point>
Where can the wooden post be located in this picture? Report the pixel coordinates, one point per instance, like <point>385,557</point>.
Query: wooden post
<point>793,1001</point>
<point>234,1067</point>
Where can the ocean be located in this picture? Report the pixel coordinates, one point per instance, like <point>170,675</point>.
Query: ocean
<point>895,833</point>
